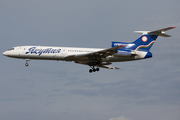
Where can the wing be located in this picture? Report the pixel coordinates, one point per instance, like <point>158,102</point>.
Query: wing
<point>107,66</point>
<point>95,55</point>
<point>102,65</point>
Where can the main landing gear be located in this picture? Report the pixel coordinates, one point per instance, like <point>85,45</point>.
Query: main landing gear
<point>92,67</point>
<point>27,64</point>
<point>93,70</point>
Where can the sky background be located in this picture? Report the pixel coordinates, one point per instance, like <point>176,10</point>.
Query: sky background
<point>50,90</point>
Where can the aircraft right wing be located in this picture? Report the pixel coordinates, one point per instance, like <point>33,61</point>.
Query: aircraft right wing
<point>107,66</point>
<point>102,65</point>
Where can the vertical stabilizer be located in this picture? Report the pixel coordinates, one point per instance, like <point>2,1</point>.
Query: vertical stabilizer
<point>145,42</point>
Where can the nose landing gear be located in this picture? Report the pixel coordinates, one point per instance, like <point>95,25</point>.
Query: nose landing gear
<point>27,64</point>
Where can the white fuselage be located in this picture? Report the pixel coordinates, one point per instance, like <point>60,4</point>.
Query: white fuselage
<point>60,53</point>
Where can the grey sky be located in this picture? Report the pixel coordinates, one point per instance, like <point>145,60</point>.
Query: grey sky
<point>140,90</point>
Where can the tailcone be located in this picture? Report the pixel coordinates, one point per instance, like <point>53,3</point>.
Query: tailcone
<point>148,55</point>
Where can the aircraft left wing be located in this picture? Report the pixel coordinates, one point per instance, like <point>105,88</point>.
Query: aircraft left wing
<point>95,55</point>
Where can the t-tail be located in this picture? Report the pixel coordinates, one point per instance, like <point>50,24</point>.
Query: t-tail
<point>143,43</point>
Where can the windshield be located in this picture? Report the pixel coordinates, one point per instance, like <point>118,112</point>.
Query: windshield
<point>11,49</point>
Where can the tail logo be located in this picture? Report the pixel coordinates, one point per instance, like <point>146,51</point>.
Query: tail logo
<point>144,38</point>
<point>145,46</point>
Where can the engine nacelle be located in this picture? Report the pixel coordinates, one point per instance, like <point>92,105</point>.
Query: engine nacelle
<point>127,53</point>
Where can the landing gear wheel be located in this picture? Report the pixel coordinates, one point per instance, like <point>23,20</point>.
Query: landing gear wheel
<point>26,64</point>
<point>92,65</point>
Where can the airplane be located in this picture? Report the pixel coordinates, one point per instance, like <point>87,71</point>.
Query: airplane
<point>93,57</point>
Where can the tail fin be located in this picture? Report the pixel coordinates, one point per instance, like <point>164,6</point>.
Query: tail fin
<point>145,42</point>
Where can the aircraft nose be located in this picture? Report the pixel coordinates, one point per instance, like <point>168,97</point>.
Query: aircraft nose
<point>5,53</point>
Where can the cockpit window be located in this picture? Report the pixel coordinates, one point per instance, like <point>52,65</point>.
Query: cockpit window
<point>11,49</point>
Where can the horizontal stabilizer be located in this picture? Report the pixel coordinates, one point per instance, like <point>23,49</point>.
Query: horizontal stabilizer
<point>160,32</point>
<point>142,32</point>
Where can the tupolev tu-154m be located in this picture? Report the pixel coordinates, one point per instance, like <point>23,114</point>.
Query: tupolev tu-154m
<point>93,57</point>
